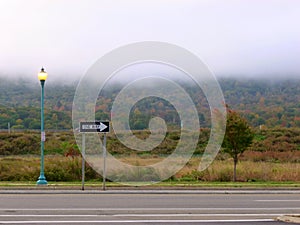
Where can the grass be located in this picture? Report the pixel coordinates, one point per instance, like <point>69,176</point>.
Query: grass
<point>66,171</point>
<point>162,185</point>
<point>247,171</point>
<point>256,169</point>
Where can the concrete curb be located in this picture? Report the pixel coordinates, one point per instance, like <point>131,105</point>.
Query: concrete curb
<point>39,191</point>
<point>290,218</point>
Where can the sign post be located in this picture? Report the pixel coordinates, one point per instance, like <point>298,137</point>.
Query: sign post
<point>94,127</point>
<point>83,161</point>
<point>104,163</point>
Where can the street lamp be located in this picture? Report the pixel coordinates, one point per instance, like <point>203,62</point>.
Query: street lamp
<point>42,77</point>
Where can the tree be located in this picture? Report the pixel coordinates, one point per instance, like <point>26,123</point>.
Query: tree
<point>238,137</point>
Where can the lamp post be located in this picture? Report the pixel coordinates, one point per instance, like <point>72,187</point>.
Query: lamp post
<point>42,77</point>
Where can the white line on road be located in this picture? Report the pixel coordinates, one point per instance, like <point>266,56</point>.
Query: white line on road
<point>134,221</point>
<point>27,215</point>
<point>143,209</point>
<point>277,200</point>
<point>198,215</point>
<point>150,215</point>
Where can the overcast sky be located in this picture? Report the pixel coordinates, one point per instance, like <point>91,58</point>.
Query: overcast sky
<point>245,38</point>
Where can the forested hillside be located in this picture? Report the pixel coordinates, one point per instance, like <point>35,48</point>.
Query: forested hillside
<point>267,102</point>
<point>262,102</point>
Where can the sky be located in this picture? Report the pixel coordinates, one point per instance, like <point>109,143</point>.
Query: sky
<point>244,38</point>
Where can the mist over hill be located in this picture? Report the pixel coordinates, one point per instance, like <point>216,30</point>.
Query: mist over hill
<point>268,102</point>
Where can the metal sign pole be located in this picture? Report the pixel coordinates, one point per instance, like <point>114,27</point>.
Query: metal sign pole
<point>83,161</point>
<point>104,162</point>
<point>94,127</point>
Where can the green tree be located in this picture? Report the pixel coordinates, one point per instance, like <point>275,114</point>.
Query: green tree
<point>238,137</point>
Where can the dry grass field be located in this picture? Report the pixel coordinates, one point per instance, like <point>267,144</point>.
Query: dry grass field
<point>60,168</point>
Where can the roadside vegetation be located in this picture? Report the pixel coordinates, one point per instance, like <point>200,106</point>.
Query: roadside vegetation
<point>263,161</point>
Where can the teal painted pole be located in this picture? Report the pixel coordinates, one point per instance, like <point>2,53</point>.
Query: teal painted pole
<point>42,179</point>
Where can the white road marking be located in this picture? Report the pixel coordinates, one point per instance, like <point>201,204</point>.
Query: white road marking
<point>198,215</point>
<point>277,200</point>
<point>27,215</point>
<point>134,221</point>
<point>144,215</point>
<point>143,209</point>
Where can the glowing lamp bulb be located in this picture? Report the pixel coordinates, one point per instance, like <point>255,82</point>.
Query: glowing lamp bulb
<point>42,75</point>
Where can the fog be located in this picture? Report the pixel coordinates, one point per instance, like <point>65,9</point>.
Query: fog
<point>249,38</point>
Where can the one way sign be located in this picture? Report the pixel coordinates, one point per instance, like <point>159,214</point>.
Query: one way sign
<point>94,127</point>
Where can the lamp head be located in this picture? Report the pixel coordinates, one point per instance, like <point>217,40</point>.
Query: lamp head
<point>42,75</point>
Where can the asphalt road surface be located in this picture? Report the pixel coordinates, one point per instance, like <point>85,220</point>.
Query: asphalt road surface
<point>145,208</point>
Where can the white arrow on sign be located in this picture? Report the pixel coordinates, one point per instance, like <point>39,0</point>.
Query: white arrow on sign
<point>102,126</point>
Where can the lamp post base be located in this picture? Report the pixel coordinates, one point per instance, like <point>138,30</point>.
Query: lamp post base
<point>42,181</point>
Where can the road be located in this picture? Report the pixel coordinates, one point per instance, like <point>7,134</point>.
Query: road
<point>145,208</point>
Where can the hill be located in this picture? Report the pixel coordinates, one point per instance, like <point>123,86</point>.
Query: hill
<point>262,102</point>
